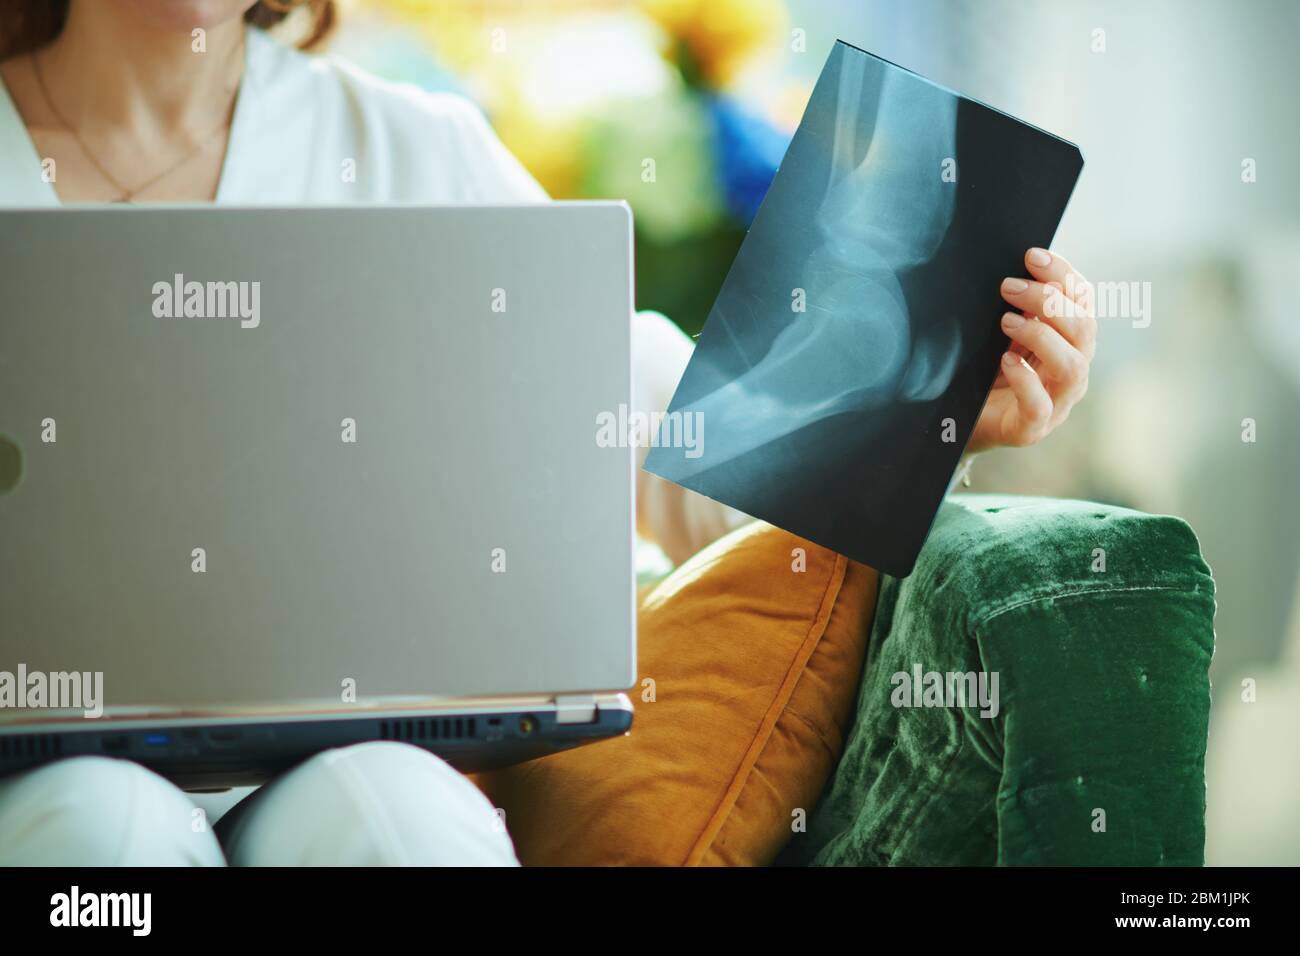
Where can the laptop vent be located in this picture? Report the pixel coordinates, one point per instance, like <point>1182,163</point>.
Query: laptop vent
<point>437,728</point>
<point>32,745</point>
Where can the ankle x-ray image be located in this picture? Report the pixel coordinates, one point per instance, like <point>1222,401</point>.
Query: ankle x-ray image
<point>856,337</point>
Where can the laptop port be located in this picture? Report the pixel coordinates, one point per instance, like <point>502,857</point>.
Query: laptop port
<point>224,737</point>
<point>527,724</point>
<point>157,740</point>
<point>114,745</point>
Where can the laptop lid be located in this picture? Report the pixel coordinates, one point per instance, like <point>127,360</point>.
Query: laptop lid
<point>268,454</point>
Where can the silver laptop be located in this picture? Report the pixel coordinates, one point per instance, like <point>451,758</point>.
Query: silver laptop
<point>274,480</point>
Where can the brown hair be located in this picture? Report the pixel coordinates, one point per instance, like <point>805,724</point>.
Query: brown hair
<point>27,25</point>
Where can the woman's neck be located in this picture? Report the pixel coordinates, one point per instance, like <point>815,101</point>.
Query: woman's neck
<point>115,70</point>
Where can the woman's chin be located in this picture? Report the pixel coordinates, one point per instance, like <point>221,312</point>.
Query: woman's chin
<point>183,16</point>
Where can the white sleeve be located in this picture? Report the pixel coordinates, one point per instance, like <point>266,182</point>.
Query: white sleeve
<point>681,522</point>
<point>489,172</point>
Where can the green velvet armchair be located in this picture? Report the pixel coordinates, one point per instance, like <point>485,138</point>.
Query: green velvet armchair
<point>1098,623</point>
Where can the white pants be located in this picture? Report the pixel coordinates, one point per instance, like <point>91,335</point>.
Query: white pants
<point>374,804</point>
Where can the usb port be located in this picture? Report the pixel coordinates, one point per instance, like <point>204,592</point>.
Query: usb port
<point>157,740</point>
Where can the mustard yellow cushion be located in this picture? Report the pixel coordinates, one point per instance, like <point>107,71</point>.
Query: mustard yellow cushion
<point>749,661</point>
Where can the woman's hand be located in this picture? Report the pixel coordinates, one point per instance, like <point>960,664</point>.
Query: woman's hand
<point>1053,332</point>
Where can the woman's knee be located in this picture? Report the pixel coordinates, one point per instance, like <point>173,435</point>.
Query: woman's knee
<point>96,811</point>
<point>373,804</point>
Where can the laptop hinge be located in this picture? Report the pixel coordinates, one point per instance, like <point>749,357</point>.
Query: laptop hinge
<point>575,709</point>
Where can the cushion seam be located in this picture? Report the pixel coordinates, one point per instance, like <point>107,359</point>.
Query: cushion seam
<point>1077,592</point>
<point>820,621</point>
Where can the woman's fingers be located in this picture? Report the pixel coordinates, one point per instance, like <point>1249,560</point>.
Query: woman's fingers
<point>1052,269</point>
<point>1069,318</point>
<point>1064,366</point>
<point>1053,337</point>
<point>1033,405</point>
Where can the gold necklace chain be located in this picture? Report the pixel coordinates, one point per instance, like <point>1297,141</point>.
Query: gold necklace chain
<point>128,194</point>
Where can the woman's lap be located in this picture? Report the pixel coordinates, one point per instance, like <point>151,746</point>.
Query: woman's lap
<point>95,811</point>
<point>379,803</point>
<point>374,804</point>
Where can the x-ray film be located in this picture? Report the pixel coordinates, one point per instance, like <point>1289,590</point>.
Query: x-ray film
<point>856,337</point>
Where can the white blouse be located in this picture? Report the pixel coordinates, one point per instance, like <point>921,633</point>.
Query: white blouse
<point>312,129</point>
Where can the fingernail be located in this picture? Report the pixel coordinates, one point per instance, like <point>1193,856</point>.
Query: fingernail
<point>1012,321</point>
<point>1009,359</point>
<point>1040,257</point>
<point>1014,286</point>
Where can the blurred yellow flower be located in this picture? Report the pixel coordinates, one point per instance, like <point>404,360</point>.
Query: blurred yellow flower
<point>720,36</point>
<point>587,92</point>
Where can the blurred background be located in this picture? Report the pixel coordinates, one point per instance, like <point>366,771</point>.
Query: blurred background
<point>1186,111</point>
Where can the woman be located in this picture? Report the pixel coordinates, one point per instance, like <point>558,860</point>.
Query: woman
<point>189,100</point>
